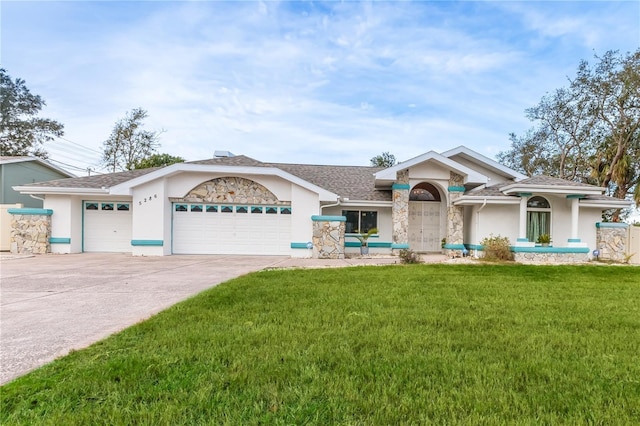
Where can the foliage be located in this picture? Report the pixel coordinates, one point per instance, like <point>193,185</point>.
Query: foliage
<point>589,131</point>
<point>496,248</point>
<point>364,236</point>
<point>22,132</point>
<point>157,160</point>
<point>383,160</point>
<point>436,344</point>
<point>409,256</point>
<point>129,143</point>
<point>544,238</point>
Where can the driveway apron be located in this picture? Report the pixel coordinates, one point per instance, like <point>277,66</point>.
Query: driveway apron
<point>51,304</point>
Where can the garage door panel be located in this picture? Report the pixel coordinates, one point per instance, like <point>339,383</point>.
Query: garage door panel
<point>231,232</point>
<point>107,230</point>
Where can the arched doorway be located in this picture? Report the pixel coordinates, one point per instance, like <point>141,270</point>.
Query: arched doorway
<point>425,218</point>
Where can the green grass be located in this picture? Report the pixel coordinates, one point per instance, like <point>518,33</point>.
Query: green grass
<point>444,344</point>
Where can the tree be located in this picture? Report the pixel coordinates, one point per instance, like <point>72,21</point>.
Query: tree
<point>157,160</point>
<point>383,160</point>
<point>22,132</point>
<point>129,143</point>
<point>589,131</point>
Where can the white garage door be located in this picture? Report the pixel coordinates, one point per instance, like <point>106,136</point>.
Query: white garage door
<point>231,229</point>
<point>107,226</point>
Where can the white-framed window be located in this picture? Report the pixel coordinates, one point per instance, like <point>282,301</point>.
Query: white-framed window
<point>538,218</point>
<point>360,220</point>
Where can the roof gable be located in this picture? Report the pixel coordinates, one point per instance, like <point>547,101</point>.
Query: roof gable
<point>24,158</point>
<point>483,162</point>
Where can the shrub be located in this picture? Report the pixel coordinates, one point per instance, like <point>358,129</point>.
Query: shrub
<point>409,256</point>
<point>497,248</point>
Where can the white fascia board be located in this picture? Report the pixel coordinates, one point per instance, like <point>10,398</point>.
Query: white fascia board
<point>551,189</point>
<point>365,203</point>
<point>470,175</point>
<point>467,200</point>
<point>126,188</point>
<point>57,190</point>
<point>606,204</point>
<point>478,158</point>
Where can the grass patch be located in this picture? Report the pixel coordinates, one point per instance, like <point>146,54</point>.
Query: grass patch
<point>454,344</point>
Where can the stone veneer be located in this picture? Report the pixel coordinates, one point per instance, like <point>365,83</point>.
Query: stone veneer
<point>400,209</point>
<point>231,190</point>
<point>455,214</point>
<point>611,240</point>
<point>328,237</point>
<point>551,258</point>
<point>30,232</point>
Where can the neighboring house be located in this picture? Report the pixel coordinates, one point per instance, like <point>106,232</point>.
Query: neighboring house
<point>21,171</point>
<point>238,205</point>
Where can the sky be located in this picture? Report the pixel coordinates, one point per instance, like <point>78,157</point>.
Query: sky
<point>335,82</point>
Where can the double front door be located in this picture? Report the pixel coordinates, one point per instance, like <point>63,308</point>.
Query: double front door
<point>424,226</point>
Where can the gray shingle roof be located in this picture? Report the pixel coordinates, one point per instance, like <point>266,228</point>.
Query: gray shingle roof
<point>96,181</point>
<point>552,181</point>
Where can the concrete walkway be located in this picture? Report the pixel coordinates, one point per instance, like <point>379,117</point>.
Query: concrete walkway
<point>51,304</point>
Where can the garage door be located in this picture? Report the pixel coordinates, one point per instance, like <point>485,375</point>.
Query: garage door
<point>107,226</point>
<point>231,229</point>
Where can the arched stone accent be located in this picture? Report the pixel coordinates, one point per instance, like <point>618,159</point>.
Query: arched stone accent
<point>232,190</point>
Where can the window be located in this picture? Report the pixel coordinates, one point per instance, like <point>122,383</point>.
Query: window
<point>242,209</point>
<point>91,206</point>
<point>226,209</point>
<point>272,210</point>
<point>424,192</point>
<point>360,221</point>
<point>196,207</point>
<point>285,210</point>
<point>212,209</point>
<point>107,206</point>
<point>538,218</point>
<point>181,207</point>
<point>123,207</point>
<point>257,210</point>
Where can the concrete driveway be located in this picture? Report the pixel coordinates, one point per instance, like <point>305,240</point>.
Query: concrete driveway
<point>50,304</point>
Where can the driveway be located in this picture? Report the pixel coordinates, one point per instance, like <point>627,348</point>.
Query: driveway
<point>50,304</point>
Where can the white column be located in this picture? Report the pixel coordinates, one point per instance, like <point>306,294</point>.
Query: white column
<point>522,230</point>
<point>575,208</point>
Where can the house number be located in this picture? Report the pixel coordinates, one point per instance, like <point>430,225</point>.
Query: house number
<point>149,198</point>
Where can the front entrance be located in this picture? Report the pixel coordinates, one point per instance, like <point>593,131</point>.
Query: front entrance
<point>424,226</point>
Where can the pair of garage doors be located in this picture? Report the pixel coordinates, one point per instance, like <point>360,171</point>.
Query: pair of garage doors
<point>197,228</point>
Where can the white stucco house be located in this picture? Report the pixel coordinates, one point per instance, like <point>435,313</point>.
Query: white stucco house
<point>237,205</point>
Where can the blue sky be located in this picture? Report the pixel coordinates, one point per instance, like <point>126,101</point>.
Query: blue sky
<point>308,82</point>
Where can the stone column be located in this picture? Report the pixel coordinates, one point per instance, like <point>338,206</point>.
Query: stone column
<point>455,217</point>
<point>400,211</point>
<point>328,237</point>
<point>611,240</point>
<point>30,231</point>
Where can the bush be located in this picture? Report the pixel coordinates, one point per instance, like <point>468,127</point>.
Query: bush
<point>497,248</point>
<point>409,256</point>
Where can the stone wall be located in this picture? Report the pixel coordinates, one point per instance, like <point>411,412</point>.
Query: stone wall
<point>551,258</point>
<point>233,190</point>
<point>611,240</point>
<point>30,233</point>
<point>455,214</point>
<point>328,238</point>
<point>400,209</point>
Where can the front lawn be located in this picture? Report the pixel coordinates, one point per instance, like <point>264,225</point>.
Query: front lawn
<point>445,344</point>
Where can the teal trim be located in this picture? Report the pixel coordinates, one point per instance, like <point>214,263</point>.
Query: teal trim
<point>524,194</point>
<point>401,186</point>
<point>578,196</point>
<point>454,246</point>
<point>522,240</point>
<point>550,249</point>
<point>328,218</point>
<point>399,246</point>
<point>379,244</point>
<point>574,240</point>
<point>352,244</point>
<point>31,211</point>
<point>148,243</point>
<point>56,240</point>
<point>299,245</point>
<point>456,189</point>
<point>474,247</point>
<point>611,225</point>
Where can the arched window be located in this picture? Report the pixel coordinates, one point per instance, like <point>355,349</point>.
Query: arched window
<point>538,218</point>
<point>424,192</point>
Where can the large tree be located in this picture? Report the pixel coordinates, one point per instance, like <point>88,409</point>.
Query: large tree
<point>158,160</point>
<point>22,132</point>
<point>129,143</point>
<point>588,131</point>
<point>383,160</point>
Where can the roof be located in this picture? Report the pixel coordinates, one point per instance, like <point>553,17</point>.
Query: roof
<point>24,158</point>
<point>95,181</point>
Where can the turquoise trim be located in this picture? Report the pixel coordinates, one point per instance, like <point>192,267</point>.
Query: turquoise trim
<point>56,240</point>
<point>550,249</point>
<point>401,186</point>
<point>31,211</point>
<point>474,247</point>
<point>352,244</point>
<point>574,240</point>
<point>578,196</point>
<point>456,189</point>
<point>524,194</point>
<point>147,243</point>
<point>522,240</point>
<point>454,246</point>
<point>611,225</point>
<point>329,218</point>
<point>299,245</point>
<point>379,244</point>
<point>399,246</point>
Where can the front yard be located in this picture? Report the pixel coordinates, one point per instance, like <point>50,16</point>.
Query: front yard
<point>446,344</point>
